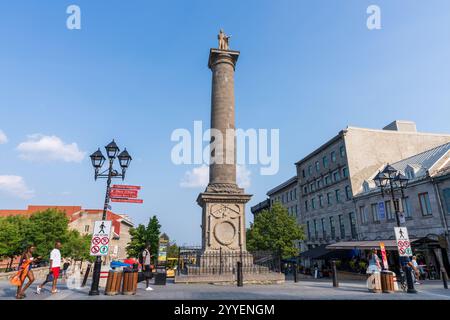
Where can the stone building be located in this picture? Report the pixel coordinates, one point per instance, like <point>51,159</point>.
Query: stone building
<point>330,175</point>
<point>425,203</point>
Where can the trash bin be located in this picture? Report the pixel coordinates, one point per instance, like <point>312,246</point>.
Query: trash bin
<point>374,282</point>
<point>129,284</point>
<point>113,283</point>
<point>161,276</point>
<point>387,281</point>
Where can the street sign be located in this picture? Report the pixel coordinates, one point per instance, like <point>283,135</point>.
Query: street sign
<point>127,200</point>
<point>123,193</point>
<point>401,217</point>
<point>383,256</point>
<point>403,244</point>
<point>100,238</point>
<point>381,211</point>
<point>120,186</point>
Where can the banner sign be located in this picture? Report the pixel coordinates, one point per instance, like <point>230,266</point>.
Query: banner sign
<point>383,256</point>
<point>403,244</point>
<point>381,211</point>
<point>123,193</point>
<point>101,238</point>
<point>162,251</point>
<point>127,200</point>
<point>122,186</point>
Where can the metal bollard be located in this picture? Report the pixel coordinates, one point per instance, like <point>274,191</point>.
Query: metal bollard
<point>240,281</point>
<point>335,279</point>
<point>444,279</point>
<point>409,280</point>
<point>86,275</point>
<point>295,273</point>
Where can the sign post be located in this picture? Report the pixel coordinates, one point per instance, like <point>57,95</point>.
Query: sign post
<point>125,193</point>
<point>160,278</point>
<point>101,238</point>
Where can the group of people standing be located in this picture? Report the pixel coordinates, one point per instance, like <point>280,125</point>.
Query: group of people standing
<point>25,271</point>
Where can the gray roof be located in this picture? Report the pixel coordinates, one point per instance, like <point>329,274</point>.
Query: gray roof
<point>285,184</point>
<point>423,161</point>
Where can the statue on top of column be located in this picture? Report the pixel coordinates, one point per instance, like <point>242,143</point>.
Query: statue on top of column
<point>223,40</point>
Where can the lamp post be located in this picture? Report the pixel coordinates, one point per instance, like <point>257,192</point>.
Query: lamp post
<point>110,173</point>
<point>388,180</point>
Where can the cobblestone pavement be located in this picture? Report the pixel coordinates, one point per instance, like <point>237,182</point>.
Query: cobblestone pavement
<point>302,290</point>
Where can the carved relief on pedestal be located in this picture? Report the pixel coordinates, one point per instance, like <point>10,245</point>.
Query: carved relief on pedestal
<point>224,224</point>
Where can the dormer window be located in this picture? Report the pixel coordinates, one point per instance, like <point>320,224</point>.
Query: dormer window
<point>366,186</point>
<point>410,172</point>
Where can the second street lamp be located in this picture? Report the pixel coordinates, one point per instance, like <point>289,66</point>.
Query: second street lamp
<point>98,160</point>
<point>388,180</point>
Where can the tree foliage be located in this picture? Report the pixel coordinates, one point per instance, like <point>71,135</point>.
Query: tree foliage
<point>275,230</point>
<point>143,235</point>
<point>13,235</point>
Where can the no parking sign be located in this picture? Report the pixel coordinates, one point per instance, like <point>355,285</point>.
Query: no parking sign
<point>403,244</point>
<point>100,238</point>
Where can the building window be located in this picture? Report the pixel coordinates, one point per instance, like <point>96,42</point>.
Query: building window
<point>309,229</point>
<point>316,232</point>
<point>353,225</point>
<point>363,215</point>
<point>332,228</point>
<point>325,161</point>
<point>337,193</point>
<point>425,205</point>
<point>303,173</point>
<point>86,228</point>
<point>282,198</point>
<point>295,193</point>
<point>327,180</point>
<point>305,190</point>
<point>296,210</point>
<point>342,226</point>
<point>342,151</point>
<point>313,203</point>
<point>311,187</point>
<point>329,198</point>
<point>333,156</point>
<point>321,201</point>
<point>336,176</point>
<point>324,231</point>
<point>390,215</point>
<point>406,208</point>
<point>446,193</point>
<point>345,172</point>
<point>309,170</point>
<point>374,209</point>
<point>319,184</point>
<point>306,206</point>
<point>317,166</point>
<point>348,193</point>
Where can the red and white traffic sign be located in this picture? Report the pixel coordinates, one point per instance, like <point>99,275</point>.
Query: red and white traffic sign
<point>127,200</point>
<point>403,243</point>
<point>100,238</point>
<point>122,186</point>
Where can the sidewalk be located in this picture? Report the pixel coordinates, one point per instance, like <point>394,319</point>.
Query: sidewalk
<point>302,290</point>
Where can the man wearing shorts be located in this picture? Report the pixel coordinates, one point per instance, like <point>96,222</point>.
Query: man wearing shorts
<point>146,266</point>
<point>55,266</point>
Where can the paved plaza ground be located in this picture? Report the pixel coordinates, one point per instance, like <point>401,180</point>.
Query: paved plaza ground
<point>302,290</point>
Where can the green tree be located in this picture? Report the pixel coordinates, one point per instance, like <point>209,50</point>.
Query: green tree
<point>143,235</point>
<point>275,230</point>
<point>172,250</point>
<point>77,246</point>
<point>45,228</point>
<point>12,236</point>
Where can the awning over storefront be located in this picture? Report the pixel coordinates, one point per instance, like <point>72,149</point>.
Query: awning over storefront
<point>322,253</point>
<point>365,245</point>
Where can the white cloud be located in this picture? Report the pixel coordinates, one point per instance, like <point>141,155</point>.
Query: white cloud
<point>196,178</point>
<point>15,186</point>
<point>3,137</point>
<point>39,147</point>
<point>199,177</point>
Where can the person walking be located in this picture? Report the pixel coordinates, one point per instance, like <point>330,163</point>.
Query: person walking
<point>415,270</point>
<point>146,266</point>
<point>25,265</point>
<point>66,264</point>
<point>55,266</point>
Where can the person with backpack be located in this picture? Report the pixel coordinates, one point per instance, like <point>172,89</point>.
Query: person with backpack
<point>145,261</point>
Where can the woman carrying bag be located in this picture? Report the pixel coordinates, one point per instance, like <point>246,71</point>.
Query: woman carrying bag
<point>24,272</point>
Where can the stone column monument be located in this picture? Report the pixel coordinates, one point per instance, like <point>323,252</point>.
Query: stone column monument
<point>223,202</point>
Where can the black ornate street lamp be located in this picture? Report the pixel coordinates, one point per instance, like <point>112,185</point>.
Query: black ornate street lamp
<point>98,160</point>
<point>389,180</point>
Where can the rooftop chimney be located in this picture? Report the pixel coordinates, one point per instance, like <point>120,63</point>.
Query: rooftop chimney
<point>401,125</point>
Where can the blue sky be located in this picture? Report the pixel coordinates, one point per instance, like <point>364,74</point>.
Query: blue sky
<point>137,70</point>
